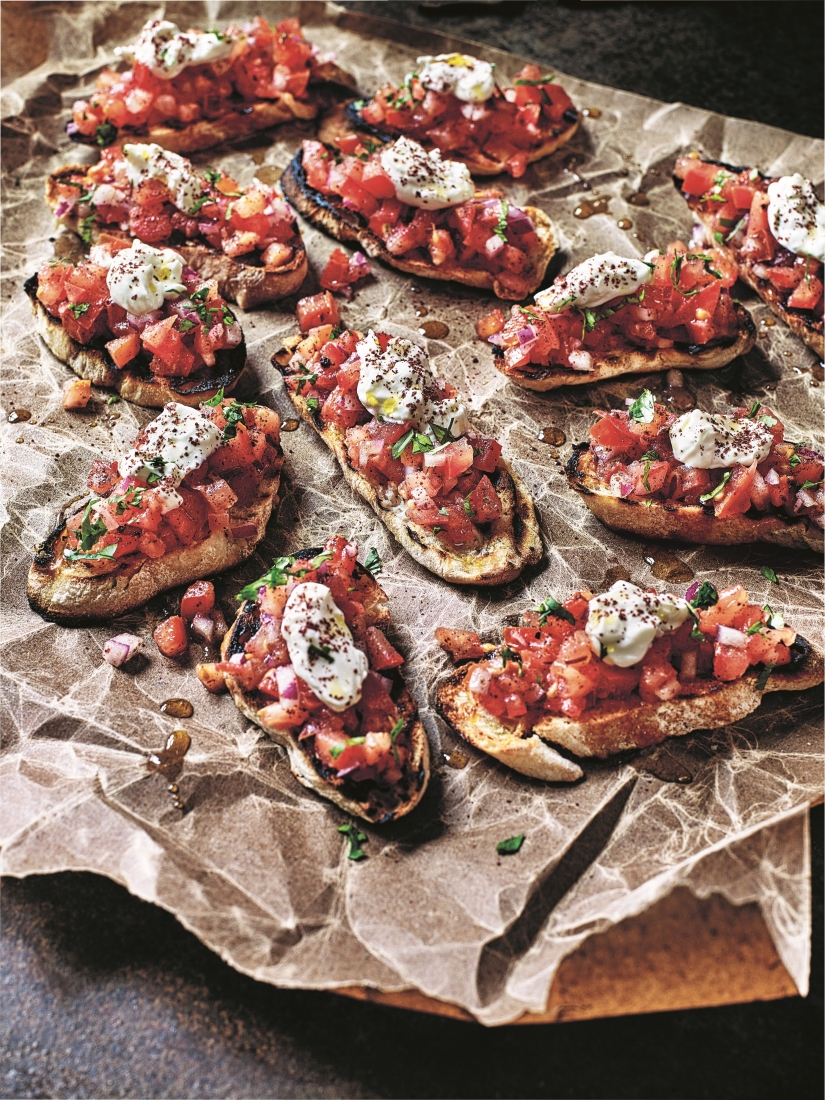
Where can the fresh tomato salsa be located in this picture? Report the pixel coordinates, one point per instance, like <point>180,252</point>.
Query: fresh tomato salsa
<point>506,127</point>
<point>368,742</point>
<point>259,62</point>
<point>442,481</point>
<point>485,233</point>
<point>686,304</point>
<point>548,665</point>
<point>735,204</point>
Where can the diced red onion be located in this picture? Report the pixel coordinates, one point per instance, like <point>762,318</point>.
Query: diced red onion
<point>772,477</point>
<point>580,360</point>
<point>117,651</point>
<point>492,246</point>
<point>527,335</point>
<point>359,263</point>
<point>233,334</point>
<point>373,446</point>
<point>496,339</point>
<point>72,128</point>
<point>621,486</point>
<point>806,452</point>
<point>287,682</point>
<point>518,222</point>
<point>63,207</point>
<point>691,592</point>
<point>243,531</point>
<point>203,627</point>
<point>760,271</point>
<point>190,273</point>
<point>806,499</point>
<point>479,680</point>
<point>141,320</point>
<point>726,635</point>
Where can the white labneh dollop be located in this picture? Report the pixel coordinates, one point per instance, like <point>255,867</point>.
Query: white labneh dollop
<point>169,447</point>
<point>796,216</point>
<point>710,441</point>
<point>140,278</point>
<point>624,622</point>
<point>467,78</point>
<point>423,179</point>
<point>321,648</point>
<point>595,282</point>
<point>398,385</point>
<point>167,51</point>
<point>150,161</point>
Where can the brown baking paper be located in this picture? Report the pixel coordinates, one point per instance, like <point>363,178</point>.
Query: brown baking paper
<point>254,864</point>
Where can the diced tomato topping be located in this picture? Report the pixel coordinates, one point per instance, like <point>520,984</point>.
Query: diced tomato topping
<point>318,309</point>
<point>198,599</point>
<point>77,394</point>
<point>171,637</point>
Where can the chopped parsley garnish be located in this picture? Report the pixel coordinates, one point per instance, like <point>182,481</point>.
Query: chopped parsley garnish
<point>764,676</point>
<point>313,403</point>
<point>394,732</point>
<point>219,35</point>
<point>305,380</point>
<point>647,458</point>
<point>769,574</point>
<point>755,407</point>
<point>199,295</point>
<point>213,402</point>
<point>105,554</point>
<point>768,421</point>
<point>776,620</point>
<point>85,228</point>
<point>442,434</point>
<point>443,512</point>
<point>643,408</point>
<point>90,530</point>
<point>233,415</point>
<point>718,237</point>
<point>811,484</point>
<point>282,569</point>
<point>529,313</point>
<point>336,750</point>
<point>706,596</point>
<point>355,838</point>
<point>184,325</point>
<point>536,83</point>
<point>337,330</point>
<point>756,628</point>
<point>373,563</point>
<point>468,508</point>
<point>553,607</point>
<point>213,175</point>
<point>512,844</point>
<point>322,651</point>
<point>105,134</point>
<point>705,497</point>
<point>501,226</point>
<point>420,443</point>
<point>113,400</point>
<point>508,654</point>
<point>676,270</point>
<point>199,203</point>
<point>79,308</point>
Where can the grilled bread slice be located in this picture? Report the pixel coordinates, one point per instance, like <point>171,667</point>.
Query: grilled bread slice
<point>636,361</point>
<point>329,213</point>
<point>361,799</point>
<point>239,280</point>
<point>801,322</point>
<point>140,385</point>
<point>514,540</point>
<point>684,522</point>
<point>344,118</point>
<point>615,726</point>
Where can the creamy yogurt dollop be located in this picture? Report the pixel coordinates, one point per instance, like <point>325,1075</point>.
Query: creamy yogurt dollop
<point>594,282</point>
<point>166,50</point>
<point>467,78</point>
<point>151,161</point>
<point>423,179</point>
<point>796,216</point>
<point>711,441</point>
<point>623,623</point>
<point>142,277</point>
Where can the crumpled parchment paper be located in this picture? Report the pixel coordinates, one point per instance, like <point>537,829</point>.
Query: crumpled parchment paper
<point>255,865</point>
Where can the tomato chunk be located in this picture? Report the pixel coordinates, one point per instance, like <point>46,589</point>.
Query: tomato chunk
<point>171,637</point>
<point>198,599</point>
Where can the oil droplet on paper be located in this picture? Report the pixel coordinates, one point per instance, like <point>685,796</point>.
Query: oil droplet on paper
<point>434,330</point>
<point>592,112</point>
<point>615,573</point>
<point>588,207</point>
<point>667,567</point>
<point>769,321</point>
<point>624,223</point>
<point>421,311</point>
<point>290,425</point>
<point>455,759</point>
<point>266,173</point>
<point>639,199</point>
<point>18,415</point>
<point>677,396</point>
<point>554,436</point>
<point>177,708</point>
<point>168,762</point>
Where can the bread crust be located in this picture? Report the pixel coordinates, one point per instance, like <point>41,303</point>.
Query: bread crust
<point>95,364</point>
<point>616,726</point>
<point>329,213</point>
<point>244,283</point>
<point>345,117</point>
<point>692,523</point>
<point>72,593</point>
<point>514,540</point>
<point>637,361</point>
<point>807,328</point>
<point>351,798</point>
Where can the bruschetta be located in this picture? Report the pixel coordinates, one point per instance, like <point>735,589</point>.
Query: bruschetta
<point>701,477</point>
<point>404,443</point>
<point>192,497</point>
<point>136,319</point>
<point>611,316</point>
<point>452,102</point>
<point>598,675</point>
<point>244,238</point>
<point>307,659</point>
<point>772,229</point>
<point>195,89</point>
<point>421,214</point>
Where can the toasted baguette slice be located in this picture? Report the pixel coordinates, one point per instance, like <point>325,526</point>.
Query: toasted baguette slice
<point>684,522</point>
<point>360,799</point>
<point>344,118</point>
<point>636,361</point>
<point>800,322</point>
<point>329,213</point>
<point>143,388</point>
<point>614,725</point>
<point>78,592</point>
<point>514,540</point>
<point>238,280</point>
<point>238,123</point>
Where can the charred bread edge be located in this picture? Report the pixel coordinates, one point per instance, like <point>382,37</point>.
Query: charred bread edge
<point>636,361</point>
<point>692,523</point>
<point>64,592</point>
<point>810,329</point>
<point>301,762</point>
<point>328,213</point>
<point>646,724</point>
<point>510,549</point>
<point>244,283</point>
<point>479,165</point>
<point>95,364</point>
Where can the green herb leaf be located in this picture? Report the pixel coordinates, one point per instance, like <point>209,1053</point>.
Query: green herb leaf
<point>213,402</point>
<point>313,403</point>
<point>199,203</point>
<point>769,574</point>
<point>104,554</point>
<point>756,628</point>
<point>79,308</point>
<point>277,575</point>
<point>184,325</point>
<point>355,838</point>
<point>510,846</point>
<point>402,443</point>
<point>553,607</point>
<point>321,651</point>
<point>113,400</point>
<point>373,563</point>
<point>90,530</point>
<point>501,226</point>
<point>105,134</point>
<point>421,443</point>
<point>85,228</point>
<point>794,460</point>
<point>536,83</point>
<point>763,677</point>
<point>647,458</point>
<point>706,596</point>
<point>508,654</point>
<point>811,484</point>
<point>643,408</point>
<point>337,330</point>
<point>394,732</point>
<point>705,497</point>
<point>199,295</point>
<point>442,434</point>
<point>755,407</point>
<point>336,750</point>
<point>718,237</point>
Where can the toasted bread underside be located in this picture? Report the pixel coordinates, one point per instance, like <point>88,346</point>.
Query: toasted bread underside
<point>240,122</point>
<point>75,592</point>
<point>808,328</point>
<point>365,801</point>
<point>238,281</point>
<point>513,542</point>
<point>684,522</point>
<point>615,725</point>
<point>636,361</point>
<point>329,213</point>
<point>344,118</point>
<point>95,364</point>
